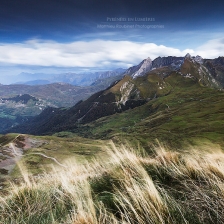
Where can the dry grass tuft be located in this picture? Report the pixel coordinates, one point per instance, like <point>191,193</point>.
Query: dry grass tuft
<point>129,187</point>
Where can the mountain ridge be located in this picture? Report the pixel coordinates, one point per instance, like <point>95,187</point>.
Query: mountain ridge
<point>128,93</point>
<point>213,67</point>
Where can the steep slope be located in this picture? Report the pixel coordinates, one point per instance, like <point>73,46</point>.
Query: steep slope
<point>189,114</point>
<point>216,68</point>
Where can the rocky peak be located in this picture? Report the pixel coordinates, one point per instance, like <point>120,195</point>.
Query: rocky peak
<point>147,65</point>
<point>198,59</point>
<point>187,56</point>
<point>141,69</point>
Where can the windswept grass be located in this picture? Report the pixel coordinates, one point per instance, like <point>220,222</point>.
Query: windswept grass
<point>129,187</point>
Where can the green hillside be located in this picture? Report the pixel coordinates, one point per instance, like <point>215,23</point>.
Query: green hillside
<point>189,112</point>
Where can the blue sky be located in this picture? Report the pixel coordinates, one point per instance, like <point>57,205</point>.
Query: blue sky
<point>84,35</point>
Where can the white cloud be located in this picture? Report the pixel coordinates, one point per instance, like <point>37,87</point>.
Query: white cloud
<point>211,49</point>
<point>96,53</point>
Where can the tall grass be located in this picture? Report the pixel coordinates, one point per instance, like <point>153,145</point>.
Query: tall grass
<point>127,188</point>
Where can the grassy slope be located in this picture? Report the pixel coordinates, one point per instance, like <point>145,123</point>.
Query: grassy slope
<point>62,149</point>
<point>129,188</point>
<point>188,112</point>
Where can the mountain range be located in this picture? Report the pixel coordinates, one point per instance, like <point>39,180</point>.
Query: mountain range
<point>77,79</point>
<point>149,82</point>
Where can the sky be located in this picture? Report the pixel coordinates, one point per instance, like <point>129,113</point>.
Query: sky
<point>54,36</point>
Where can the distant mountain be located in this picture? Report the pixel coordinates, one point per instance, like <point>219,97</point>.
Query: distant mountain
<point>108,74</point>
<point>74,78</point>
<point>142,83</point>
<point>105,79</point>
<point>86,79</point>
<point>77,79</point>
<point>37,82</point>
<point>25,77</point>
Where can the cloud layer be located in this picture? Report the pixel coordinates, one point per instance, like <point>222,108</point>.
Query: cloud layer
<point>96,53</point>
<point>212,49</point>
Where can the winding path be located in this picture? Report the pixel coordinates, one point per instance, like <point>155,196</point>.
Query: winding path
<point>35,153</point>
<point>48,157</point>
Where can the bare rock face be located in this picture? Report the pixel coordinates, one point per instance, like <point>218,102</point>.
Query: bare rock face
<point>187,56</point>
<point>208,71</point>
<point>141,69</point>
<point>170,61</point>
<point>216,68</point>
<point>198,59</point>
<point>218,61</point>
<point>147,65</point>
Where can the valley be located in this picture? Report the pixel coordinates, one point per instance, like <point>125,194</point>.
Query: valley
<point>20,102</point>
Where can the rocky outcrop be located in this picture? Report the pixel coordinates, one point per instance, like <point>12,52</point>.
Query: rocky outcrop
<point>141,69</point>
<point>216,68</point>
<point>170,61</point>
<point>209,71</point>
